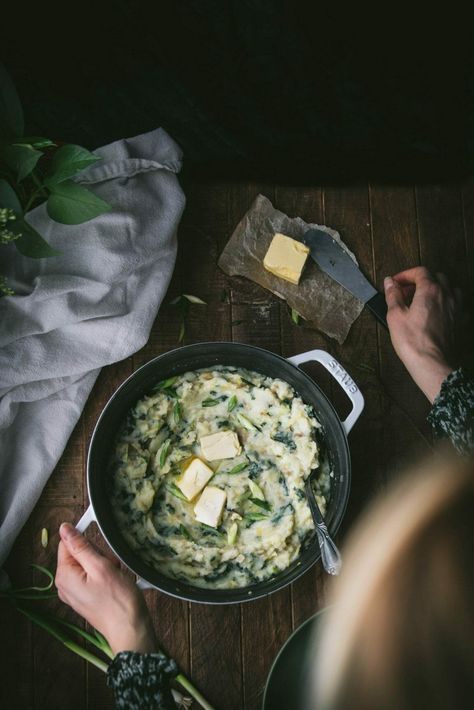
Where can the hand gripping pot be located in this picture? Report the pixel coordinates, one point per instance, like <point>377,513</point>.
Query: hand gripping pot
<point>194,357</point>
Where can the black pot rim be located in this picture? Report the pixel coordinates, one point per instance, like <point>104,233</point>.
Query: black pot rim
<point>188,592</point>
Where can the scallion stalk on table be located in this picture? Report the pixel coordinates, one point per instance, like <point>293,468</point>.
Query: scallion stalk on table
<point>55,626</point>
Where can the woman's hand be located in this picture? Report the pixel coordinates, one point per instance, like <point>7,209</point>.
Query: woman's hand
<point>422,314</point>
<point>100,592</point>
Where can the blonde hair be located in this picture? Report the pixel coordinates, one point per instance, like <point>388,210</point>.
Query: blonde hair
<point>400,634</point>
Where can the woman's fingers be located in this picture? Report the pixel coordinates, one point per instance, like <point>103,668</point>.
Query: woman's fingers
<point>393,294</point>
<point>415,276</point>
<point>79,547</point>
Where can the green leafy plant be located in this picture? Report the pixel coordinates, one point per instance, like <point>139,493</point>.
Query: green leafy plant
<point>34,169</point>
<point>60,629</point>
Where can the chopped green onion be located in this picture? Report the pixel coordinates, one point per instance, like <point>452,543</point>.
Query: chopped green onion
<point>170,392</point>
<point>253,517</point>
<point>295,316</point>
<point>256,490</point>
<point>164,384</point>
<point>232,534</point>
<point>261,503</point>
<point>164,452</point>
<point>232,403</point>
<point>177,412</point>
<point>194,299</point>
<point>237,469</point>
<point>175,491</point>
<point>185,532</point>
<point>209,402</point>
<point>44,537</point>
<point>211,529</point>
<point>246,423</point>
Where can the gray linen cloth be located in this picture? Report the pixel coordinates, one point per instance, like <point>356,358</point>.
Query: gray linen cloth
<point>73,314</point>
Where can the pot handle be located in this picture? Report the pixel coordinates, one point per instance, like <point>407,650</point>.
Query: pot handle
<point>342,377</point>
<point>83,524</point>
<point>86,520</point>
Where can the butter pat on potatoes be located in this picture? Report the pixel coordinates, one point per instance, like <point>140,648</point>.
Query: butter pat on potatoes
<point>209,508</point>
<point>194,478</point>
<point>222,445</point>
<point>286,258</point>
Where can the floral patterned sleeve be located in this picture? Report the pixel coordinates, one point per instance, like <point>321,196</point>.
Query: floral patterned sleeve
<point>142,681</point>
<point>452,414</point>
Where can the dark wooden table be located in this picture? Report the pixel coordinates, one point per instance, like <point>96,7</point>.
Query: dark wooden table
<point>228,650</point>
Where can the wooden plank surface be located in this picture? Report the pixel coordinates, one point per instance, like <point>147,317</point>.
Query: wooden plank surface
<point>228,650</point>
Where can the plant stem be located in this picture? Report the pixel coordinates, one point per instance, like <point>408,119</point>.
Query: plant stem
<point>86,655</point>
<point>187,685</point>
<point>71,645</point>
<point>39,189</point>
<point>102,646</point>
<point>31,200</point>
<point>49,624</point>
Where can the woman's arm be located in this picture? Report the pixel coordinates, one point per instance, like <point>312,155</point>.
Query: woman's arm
<point>101,593</point>
<point>423,314</point>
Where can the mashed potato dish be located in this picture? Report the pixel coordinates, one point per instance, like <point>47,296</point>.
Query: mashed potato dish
<point>208,473</point>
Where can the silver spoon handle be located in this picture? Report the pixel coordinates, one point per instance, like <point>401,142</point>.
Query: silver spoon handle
<point>330,555</point>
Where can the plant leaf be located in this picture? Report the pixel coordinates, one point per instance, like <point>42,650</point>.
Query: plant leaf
<point>67,161</point>
<point>21,158</point>
<point>36,141</point>
<point>31,243</point>
<point>8,198</point>
<point>12,123</point>
<point>70,203</point>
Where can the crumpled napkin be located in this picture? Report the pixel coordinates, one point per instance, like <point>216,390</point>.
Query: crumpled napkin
<point>320,300</point>
<point>73,314</point>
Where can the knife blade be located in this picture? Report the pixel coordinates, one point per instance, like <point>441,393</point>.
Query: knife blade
<point>336,262</point>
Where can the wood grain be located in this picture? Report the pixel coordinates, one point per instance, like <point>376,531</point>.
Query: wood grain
<point>405,432</point>
<point>228,650</point>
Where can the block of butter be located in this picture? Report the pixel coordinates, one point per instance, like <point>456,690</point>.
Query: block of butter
<point>208,509</point>
<point>286,258</point>
<point>222,445</point>
<point>194,478</point>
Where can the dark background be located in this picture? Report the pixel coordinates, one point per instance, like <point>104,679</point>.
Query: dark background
<point>290,91</point>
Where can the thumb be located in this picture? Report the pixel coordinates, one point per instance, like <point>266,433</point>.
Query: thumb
<point>78,546</point>
<point>393,294</point>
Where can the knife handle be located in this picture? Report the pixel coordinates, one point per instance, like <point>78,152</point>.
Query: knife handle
<point>378,307</point>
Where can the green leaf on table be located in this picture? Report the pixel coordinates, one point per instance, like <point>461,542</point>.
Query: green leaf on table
<point>70,203</point>
<point>9,199</point>
<point>67,161</point>
<point>21,159</point>
<point>30,242</point>
<point>12,123</point>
